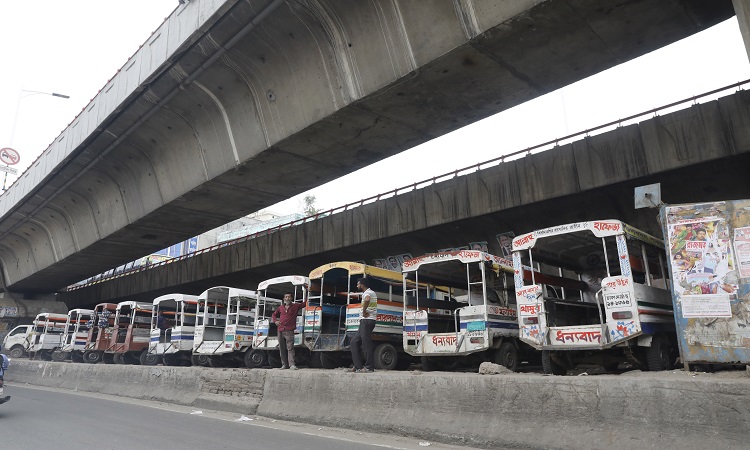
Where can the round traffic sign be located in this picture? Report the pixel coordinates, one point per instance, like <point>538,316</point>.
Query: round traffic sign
<point>9,156</point>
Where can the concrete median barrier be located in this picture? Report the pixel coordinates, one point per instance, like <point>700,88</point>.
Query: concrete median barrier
<point>672,409</point>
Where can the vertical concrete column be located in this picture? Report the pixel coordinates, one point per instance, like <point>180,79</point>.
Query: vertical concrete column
<point>742,9</point>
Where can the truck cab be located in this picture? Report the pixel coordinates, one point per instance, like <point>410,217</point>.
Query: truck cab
<point>17,341</point>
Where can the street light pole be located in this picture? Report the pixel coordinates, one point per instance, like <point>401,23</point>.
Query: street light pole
<point>21,96</point>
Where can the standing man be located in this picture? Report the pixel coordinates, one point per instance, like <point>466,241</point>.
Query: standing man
<point>285,318</point>
<point>364,333</point>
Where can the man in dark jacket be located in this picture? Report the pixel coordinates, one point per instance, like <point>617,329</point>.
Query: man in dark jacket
<point>4,361</point>
<point>285,318</point>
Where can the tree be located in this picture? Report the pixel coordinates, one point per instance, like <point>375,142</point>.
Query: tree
<point>308,205</point>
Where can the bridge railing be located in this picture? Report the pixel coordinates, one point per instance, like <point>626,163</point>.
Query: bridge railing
<point>428,182</point>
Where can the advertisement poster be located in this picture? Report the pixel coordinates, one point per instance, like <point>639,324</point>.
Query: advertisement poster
<point>702,258</point>
<point>742,250</point>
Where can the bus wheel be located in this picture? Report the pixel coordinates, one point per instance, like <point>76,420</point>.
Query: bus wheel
<point>92,357</point>
<point>329,360</point>
<point>658,355</point>
<point>386,357</point>
<point>119,358</point>
<point>16,352</point>
<point>200,360</point>
<point>148,359</point>
<point>507,356</point>
<point>59,356</point>
<point>550,366</point>
<point>255,358</point>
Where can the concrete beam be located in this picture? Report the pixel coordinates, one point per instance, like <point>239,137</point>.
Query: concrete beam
<point>697,154</point>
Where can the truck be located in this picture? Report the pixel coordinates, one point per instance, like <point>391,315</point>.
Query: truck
<point>463,311</point>
<point>172,330</point>
<point>100,334</point>
<point>76,334</point>
<point>265,337</point>
<point>46,336</point>
<point>128,343</point>
<point>17,341</point>
<point>224,326</point>
<point>332,315</point>
<point>594,292</point>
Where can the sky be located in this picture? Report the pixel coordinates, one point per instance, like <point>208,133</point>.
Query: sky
<point>74,47</point>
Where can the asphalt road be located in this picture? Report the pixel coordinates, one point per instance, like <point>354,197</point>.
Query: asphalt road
<point>51,418</point>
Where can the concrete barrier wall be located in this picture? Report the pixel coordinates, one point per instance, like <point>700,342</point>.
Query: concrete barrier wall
<point>517,410</point>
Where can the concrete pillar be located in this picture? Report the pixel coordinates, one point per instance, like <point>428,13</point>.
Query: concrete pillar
<point>742,9</point>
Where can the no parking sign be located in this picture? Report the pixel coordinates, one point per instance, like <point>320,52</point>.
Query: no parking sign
<point>9,156</point>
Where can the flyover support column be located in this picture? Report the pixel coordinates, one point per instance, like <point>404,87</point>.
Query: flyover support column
<point>742,9</point>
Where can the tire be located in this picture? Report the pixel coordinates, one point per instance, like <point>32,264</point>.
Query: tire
<point>315,360</point>
<point>119,358</point>
<point>108,358</point>
<point>59,356</point>
<point>215,361</point>
<point>16,352</point>
<point>430,364</point>
<point>92,357</point>
<point>329,360</point>
<point>200,360</point>
<point>132,358</point>
<point>658,356</point>
<point>386,357</point>
<point>45,356</point>
<point>550,366</point>
<point>147,359</point>
<point>507,356</point>
<point>255,358</point>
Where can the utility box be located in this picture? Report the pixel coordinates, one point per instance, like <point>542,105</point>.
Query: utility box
<point>709,263</point>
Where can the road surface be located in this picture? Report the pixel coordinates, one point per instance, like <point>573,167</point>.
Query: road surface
<point>51,418</point>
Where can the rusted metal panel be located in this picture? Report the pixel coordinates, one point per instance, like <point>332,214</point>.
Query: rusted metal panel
<point>709,263</point>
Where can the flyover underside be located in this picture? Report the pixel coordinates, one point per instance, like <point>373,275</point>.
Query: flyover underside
<point>698,154</point>
<point>315,92</point>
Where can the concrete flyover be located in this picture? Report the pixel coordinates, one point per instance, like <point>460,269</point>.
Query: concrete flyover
<point>233,105</point>
<point>700,153</point>
<point>520,410</point>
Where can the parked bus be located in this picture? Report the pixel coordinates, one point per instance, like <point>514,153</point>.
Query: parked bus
<point>265,339</point>
<point>598,294</point>
<point>224,326</point>
<point>463,311</point>
<point>76,334</point>
<point>47,335</point>
<point>130,335</point>
<point>173,329</point>
<point>100,334</point>
<point>332,315</point>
